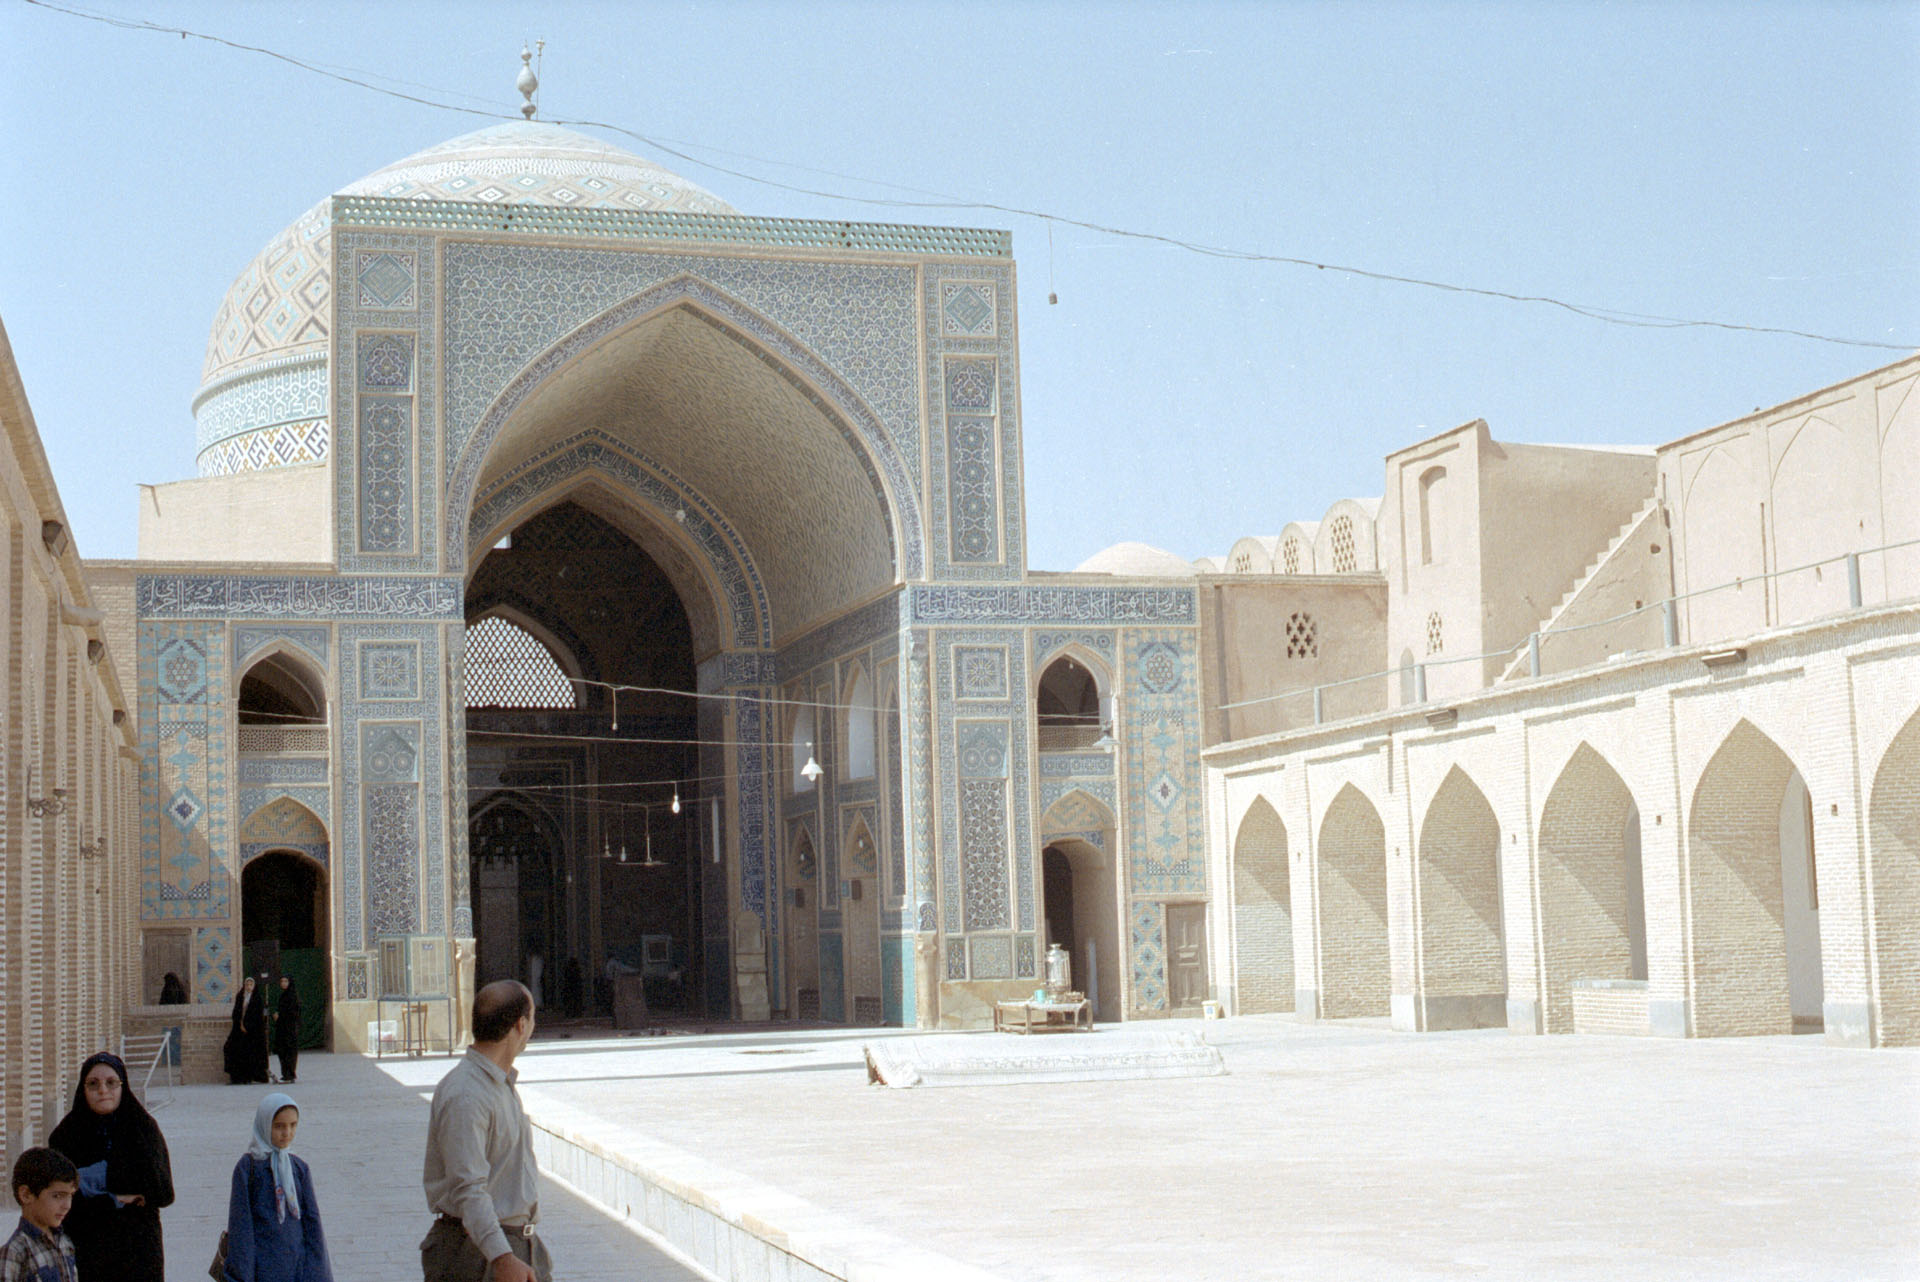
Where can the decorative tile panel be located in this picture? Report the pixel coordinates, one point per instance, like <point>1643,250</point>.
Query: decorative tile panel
<point>971,383</point>
<point>968,308</point>
<point>290,392</point>
<point>1160,718</point>
<point>981,749</point>
<point>1023,964</point>
<point>359,980</point>
<point>185,779</point>
<point>392,845</point>
<point>212,963</point>
<point>385,280</point>
<point>389,753</point>
<point>240,596</point>
<point>980,672</point>
<point>284,822</point>
<point>983,853</point>
<point>246,641</point>
<point>947,603</point>
<point>282,769</point>
<point>1148,946</point>
<point>281,445</point>
<point>386,363</point>
<point>386,467</point>
<point>315,799</point>
<point>389,670</point>
<point>992,956</point>
<point>1048,643</point>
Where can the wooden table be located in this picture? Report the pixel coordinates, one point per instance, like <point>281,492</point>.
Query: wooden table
<point>1043,1017</point>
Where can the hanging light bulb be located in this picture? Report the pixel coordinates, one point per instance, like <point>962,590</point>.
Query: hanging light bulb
<point>811,771</point>
<point>649,861</point>
<point>676,799</point>
<point>615,700</point>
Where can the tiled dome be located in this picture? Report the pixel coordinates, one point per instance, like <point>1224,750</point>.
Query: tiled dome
<point>263,394</point>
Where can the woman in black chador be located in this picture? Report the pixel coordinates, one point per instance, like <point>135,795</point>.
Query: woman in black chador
<point>245,1052</point>
<point>286,1028</point>
<point>125,1177</point>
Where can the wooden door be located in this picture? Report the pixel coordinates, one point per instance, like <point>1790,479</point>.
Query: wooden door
<point>1186,954</point>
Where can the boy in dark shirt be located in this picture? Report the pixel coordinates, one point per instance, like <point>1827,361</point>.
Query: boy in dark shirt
<point>44,1183</point>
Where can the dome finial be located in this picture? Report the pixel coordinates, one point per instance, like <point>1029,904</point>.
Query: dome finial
<point>526,82</point>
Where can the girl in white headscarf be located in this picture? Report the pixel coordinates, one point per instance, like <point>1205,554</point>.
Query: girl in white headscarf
<point>273,1218</point>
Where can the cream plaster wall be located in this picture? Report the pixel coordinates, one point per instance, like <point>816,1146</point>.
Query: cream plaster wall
<point>1833,472</point>
<point>1244,639</point>
<point>272,517</point>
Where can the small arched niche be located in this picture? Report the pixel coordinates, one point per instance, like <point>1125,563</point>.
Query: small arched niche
<point>279,690</point>
<point>1069,705</point>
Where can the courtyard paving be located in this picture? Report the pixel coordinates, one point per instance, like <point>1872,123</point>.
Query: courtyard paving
<point>1328,1152</point>
<point>364,1135</point>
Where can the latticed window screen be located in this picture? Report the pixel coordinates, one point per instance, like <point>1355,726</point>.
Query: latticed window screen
<point>1242,562</point>
<point>1290,556</point>
<point>1344,561</point>
<point>1302,641</point>
<point>507,668</point>
<point>1433,633</point>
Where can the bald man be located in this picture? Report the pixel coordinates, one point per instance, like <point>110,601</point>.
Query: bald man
<point>481,1181</point>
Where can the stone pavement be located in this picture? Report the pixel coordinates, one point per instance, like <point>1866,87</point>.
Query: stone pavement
<point>364,1134</point>
<point>1331,1151</point>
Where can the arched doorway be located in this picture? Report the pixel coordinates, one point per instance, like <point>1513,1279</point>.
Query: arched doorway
<point>1462,978</point>
<point>513,848</point>
<point>1263,912</point>
<point>1355,966</point>
<point>581,737</point>
<point>1067,706</point>
<point>1079,896</point>
<point>1893,839</point>
<point>1752,892</point>
<point>803,902</point>
<point>283,923</point>
<point>1593,918</point>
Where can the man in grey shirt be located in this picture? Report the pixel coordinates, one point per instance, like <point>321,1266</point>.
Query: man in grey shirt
<point>480,1177</point>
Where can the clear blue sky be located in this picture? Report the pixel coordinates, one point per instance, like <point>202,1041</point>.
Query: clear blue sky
<point>1746,162</point>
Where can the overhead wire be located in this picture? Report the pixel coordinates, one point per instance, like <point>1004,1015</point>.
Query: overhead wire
<point>942,200</point>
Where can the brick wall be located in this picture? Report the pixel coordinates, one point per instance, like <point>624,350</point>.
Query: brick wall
<point>1263,913</point>
<point>1355,967</point>
<point>1462,953</point>
<point>1617,1007</point>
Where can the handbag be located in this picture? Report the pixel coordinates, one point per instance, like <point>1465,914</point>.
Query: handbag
<point>218,1269</point>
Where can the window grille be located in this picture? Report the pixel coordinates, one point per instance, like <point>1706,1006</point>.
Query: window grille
<point>1344,561</point>
<point>1290,556</point>
<point>1242,563</point>
<point>1302,641</point>
<point>507,667</point>
<point>1433,633</point>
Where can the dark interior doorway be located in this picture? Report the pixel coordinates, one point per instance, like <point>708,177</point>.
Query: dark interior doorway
<point>283,921</point>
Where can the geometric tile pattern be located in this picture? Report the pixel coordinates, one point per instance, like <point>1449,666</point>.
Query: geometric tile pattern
<point>184,783</point>
<point>983,853</point>
<point>389,670</point>
<point>1166,835</point>
<point>1026,604</point>
<point>386,465</point>
<point>278,446</point>
<point>212,963</point>
<point>992,956</point>
<point>235,596</point>
<point>385,279</point>
<point>285,391</point>
<point>386,363</point>
<point>392,855</point>
<point>389,753</point>
<point>967,308</point>
<point>313,640</point>
<point>981,749</point>
<point>283,822</point>
<point>974,481</point>
<point>1148,945</point>
<point>981,672</point>
<point>1099,643</point>
<point>359,985</point>
<point>972,496</point>
<point>1023,967</point>
<point>279,305</point>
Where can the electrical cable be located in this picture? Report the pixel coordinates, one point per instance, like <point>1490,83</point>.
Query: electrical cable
<point>1590,311</point>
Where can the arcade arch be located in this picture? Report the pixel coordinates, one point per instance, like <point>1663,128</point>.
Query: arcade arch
<point>1069,704</point>
<point>1263,912</point>
<point>1593,915</point>
<point>1463,962</point>
<point>1756,928</point>
<point>1080,898</point>
<point>1355,970</point>
<point>1893,841</point>
<point>284,919</point>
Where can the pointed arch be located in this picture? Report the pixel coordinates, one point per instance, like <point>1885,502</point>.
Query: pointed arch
<point>1071,699</point>
<point>1590,902</point>
<point>1738,954</point>
<point>1355,969</point>
<point>1078,812</point>
<point>862,729</point>
<point>1463,972</point>
<point>770,346</point>
<point>512,661</point>
<point>282,685</point>
<point>1262,911</point>
<point>1893,852</point>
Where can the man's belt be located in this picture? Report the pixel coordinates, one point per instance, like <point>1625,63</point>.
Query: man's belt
<point>512,1228</point>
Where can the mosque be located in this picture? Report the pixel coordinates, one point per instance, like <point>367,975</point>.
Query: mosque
<point>586,581</point>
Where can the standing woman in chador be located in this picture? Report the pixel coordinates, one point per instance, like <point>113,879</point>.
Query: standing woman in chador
<point>233,1053</point>
<point>273,1217</point>
<point>125,1177</point>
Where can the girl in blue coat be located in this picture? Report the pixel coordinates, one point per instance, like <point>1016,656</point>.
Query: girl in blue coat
<point>273,1218</point>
